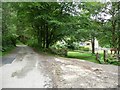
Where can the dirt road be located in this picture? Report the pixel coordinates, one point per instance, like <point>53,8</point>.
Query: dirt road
<point>24,68</point>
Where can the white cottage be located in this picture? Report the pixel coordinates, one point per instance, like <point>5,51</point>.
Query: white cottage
<point>89,44</point>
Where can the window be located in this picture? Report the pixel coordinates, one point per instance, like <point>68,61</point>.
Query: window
<point>88,44</point>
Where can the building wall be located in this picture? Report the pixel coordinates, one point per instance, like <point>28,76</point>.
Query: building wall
<point>88,44</point>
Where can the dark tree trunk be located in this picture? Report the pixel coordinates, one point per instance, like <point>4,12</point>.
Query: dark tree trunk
<point>119,47</point>
<point>113,27</point>
<point>13,41</point>
<point>40,37</point>
<point>44,36</point>
<point>113,36</point>
<point>47,37</point>
<point>93,45</point>
<point>119,31</point>
<point>104,56</point>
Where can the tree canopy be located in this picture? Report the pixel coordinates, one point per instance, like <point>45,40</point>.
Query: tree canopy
<point>42,24</point>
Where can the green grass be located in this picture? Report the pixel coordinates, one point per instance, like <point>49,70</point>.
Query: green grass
<point>90,57</point>
<point>85,56</point>
<point>7,51</point>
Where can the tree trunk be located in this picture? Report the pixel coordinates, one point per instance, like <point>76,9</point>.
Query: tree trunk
<point>119,31</point>
<point>113,36</point>
<point>40,37</point>
<point>47,36</point>
<point>93,45</point>
<point>13,41</point>
<point>113,26</point>
<point>104,56</point>
<point>44,36</point>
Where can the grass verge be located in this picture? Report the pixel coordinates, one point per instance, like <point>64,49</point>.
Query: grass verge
<point>7,51</point>
<point>84,55</point>
<point>77,54</point>
<point>90,57</point>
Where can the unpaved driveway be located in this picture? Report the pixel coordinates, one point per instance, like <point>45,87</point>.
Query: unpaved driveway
<point>32,70</point>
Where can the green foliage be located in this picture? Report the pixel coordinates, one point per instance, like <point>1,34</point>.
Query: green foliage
<point>115,63</point>
<point>42,24</point>
<point>32,42</point>
<point>85,49</point>
<point>101,60</point>
<point>77,54</point>
<point>109,30</point>
<point>81,48</point>
<point>0,53</point>
<point>8,31</point>
<point>92,58</point>
<point>48,22</point>
<point>112,60</point>
<point>61,52</point>
<point>82,55</point>
<point>7,50</point>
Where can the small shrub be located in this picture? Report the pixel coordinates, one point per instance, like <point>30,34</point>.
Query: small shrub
<point>81,48</point>
<point>86,49</point>
<point>61,52</point>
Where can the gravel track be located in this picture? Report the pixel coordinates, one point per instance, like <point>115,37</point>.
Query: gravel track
<point>24,68</point>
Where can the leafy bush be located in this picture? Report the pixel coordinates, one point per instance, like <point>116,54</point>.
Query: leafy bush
<point>32,42</point>
<point>61,52</point>
<point>85,49</point>
<point>115,63</point>
<point>71,47</point>
<point>81,48</point>
<point>101,60</point>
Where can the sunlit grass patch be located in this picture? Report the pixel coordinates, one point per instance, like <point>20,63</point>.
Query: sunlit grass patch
<point>90,57</point>
<point>85,56</point>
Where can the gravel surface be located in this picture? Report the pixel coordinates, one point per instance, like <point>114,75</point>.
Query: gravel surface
<point>28,69</point>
